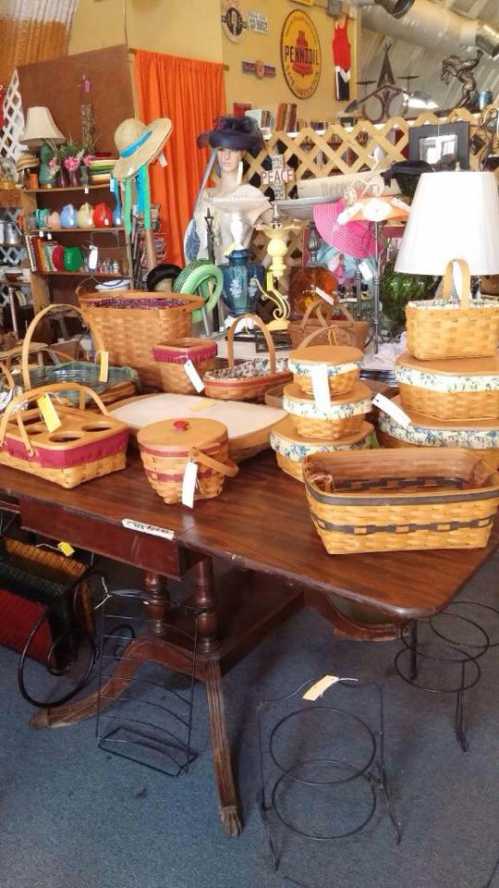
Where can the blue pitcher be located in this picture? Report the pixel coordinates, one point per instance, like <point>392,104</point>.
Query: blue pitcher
<point>240,293</point>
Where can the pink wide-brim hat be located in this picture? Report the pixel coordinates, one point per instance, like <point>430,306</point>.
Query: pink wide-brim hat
<point>355,238</point>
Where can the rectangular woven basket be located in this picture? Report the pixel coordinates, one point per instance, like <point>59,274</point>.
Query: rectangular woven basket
<point>386,500</point>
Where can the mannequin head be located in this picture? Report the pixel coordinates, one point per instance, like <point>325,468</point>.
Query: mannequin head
<point>228,160</point>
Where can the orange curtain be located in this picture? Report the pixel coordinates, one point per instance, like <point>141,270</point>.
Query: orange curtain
<point>191,93</point>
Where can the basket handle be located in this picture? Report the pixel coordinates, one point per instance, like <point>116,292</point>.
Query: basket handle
<point>99,345</point>
<point>464,295</point>
<point>331,335</point>
<point>324,298</point>
<point>8,376</point>
<point>34,394</point>
<point>316,306</point>
<point>268,339</point>
<point>229,469</point>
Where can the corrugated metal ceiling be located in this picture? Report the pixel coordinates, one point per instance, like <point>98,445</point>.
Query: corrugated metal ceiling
<point>408,59</point>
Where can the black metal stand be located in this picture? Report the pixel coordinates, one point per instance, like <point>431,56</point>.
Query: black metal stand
<point>363,765</point>
<point>427,641</point>
<point>151,721</point>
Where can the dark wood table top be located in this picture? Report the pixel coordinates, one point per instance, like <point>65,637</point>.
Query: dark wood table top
<point>261,521</point>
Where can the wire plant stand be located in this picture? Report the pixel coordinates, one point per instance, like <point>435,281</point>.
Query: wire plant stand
<point>151,722</point>
<point>356,759</point>
<point>451,655</point>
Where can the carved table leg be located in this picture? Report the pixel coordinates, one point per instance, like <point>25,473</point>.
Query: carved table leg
<point>205,602</point>
<point>220,750</point>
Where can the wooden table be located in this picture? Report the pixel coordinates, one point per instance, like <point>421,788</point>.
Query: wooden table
<point>261,525</point>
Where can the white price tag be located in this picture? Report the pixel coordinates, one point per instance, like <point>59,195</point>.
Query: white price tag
<point>151,529</point>
<point>189,484</point>
<point>320,384</point>
<point>320,687</point>
<point>396,413</point>
<point>325,296</point>
<point>194,376</point>
<point>162,160</point>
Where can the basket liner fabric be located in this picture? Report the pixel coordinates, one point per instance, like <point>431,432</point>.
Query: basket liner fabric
<point>248,369</point>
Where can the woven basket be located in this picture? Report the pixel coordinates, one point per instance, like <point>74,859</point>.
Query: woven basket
<point>387,500</point>
<point>450,391</point>
<point>343,363</point>
<point>343,418</point>
<point>319,315</point>
<point>249,380</point>
<point>440,329</point>
<point>131,322</point>
<point>81,448</point>
<point>172,357</point>
<point>166,448</point>
<point>291,448</point>
<point>489,455</point>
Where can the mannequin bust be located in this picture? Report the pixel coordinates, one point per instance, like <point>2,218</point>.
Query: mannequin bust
<point>232,137</point>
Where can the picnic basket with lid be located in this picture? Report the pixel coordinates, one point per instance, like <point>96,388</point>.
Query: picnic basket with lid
<point>344,416</point>
<point>131,322</point>
<point>82,447</point>
<point>249,380</point>
<point>341,361</point>
<point>167,446</point>
<point>172,357</point>
<point>291,448</point>
<point>387,500</point>
<point>439,328</point>
<point>451,390</point>
<point>320,314</point>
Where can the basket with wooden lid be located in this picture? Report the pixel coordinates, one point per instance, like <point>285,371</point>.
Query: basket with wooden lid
<point>338,364</point>
<point>249,380</point>
<point>441,328</point>
<point>291,448</point>
<point>183,363</point>
<point>387,500</point>
<point>342,417</point>
<point>167,447</point>
<point>452,390</point>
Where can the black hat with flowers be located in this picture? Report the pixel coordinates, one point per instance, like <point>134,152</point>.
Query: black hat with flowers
<point>235,133</point>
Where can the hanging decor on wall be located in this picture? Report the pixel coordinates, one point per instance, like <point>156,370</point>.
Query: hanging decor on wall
<point>342,59</point>
<point>278,176</point>
<point>301,54</point>
<point>258,22</point>
<point>233,21</point>
<point>259,68</point>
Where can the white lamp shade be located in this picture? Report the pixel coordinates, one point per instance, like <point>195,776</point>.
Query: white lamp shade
<point>40,127</point>
<point>453,216</point>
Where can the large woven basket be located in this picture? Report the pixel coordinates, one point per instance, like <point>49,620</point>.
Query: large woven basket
<point>84,446</point>
<point>250,380</point>
<point>386,500</point>
<point>452,390</point>
<point>344,416</point>
<point>342,362</point>
<point>320,315</point>
<point>166,447</point>
<point>131,322</point>
<point>439,329</point>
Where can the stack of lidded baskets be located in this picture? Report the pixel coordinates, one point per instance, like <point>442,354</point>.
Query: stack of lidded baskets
<point>326,404</point>
<point>449,378</point>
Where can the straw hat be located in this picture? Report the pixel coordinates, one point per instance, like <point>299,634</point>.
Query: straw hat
<point>139,145</point>
<point>355,239</point>
<point>40,127</point>
<point>27,161</point>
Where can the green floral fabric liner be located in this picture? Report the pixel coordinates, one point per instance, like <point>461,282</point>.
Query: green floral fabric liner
<point>446,382</point>
<point>256,367</point>
<point>443,303</point>
<point>304,368</point>
<point>297,452</point>
<point>310,410</point>
<point>473,438</point>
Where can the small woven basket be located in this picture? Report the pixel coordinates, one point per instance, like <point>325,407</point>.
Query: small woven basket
<point>173,356</point>
<point>440,329</point>
<point>291,448</point>
<point>131,322</point>
<point>166,448</point>
<point>344,418</point>
<point>343,363</point>
<point>388,500</point>
<point>250,380</point>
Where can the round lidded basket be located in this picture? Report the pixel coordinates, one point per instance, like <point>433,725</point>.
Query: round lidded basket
<point>167,446</point>
<point>291,448</point>
<point>172,357</point>
<point>454,390</point>
<point>343,417</point>
<point>342,362</point>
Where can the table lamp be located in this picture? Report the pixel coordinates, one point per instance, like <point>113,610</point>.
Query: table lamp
<point>454,215</point>
<point>40,127</point>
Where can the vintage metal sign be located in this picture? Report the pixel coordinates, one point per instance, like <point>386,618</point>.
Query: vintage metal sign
<point>233,20</point>
<point>301,54</point>
<point>258,67</point>
<point>258,22</point>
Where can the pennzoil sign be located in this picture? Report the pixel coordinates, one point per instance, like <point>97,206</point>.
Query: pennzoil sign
<point>301,54</point>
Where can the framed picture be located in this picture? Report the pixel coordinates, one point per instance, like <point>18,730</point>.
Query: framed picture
<point>444,146</point>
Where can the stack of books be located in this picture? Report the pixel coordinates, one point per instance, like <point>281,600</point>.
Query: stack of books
<point>286,120</point>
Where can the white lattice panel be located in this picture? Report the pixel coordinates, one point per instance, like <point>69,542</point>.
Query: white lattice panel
<point>10,134</point>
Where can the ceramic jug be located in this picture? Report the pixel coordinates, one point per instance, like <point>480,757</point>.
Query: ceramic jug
<point>54,220</point>
<point>102,216</point>
<point>84,216</point>
<point>240,292</point>
<point>68,216</point>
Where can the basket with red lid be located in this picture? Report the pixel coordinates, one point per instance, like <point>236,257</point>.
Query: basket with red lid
<point>183,362</point>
